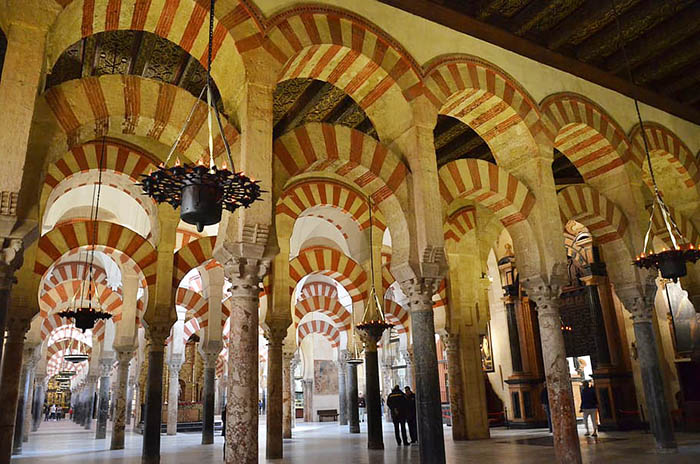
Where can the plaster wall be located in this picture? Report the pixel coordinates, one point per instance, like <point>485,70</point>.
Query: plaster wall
<point>499,334</point>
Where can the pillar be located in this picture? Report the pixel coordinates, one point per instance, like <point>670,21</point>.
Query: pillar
<point>242,397</point>
<point>375,439</point>
<point>567,449</point>
<point>103,398</point>
<point>342,387</point>
<point>39,396</point>
<point>456,387</point>
<point>90,400</point>
<point>120,400</point>
<point>174,366</point>
<point>288,413</point>
<point>640,303</point>
<point>308,389</point>
<point>28,400</point>
<point>275,334</point>
<point>295,363</point>
<point>428,404</point>
<point>353,409</point>
<point>9,388</point>
<point>130,391</point>
<point>410,376</point>
<point>21,402</point>
<point>154,394</point>
<point>208,394</point>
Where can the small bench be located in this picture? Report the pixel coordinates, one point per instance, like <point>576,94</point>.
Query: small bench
<point>331,414</point>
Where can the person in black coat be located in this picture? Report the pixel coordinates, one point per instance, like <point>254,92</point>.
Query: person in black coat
<point>411,413</point>
<point>589,407</point>
<point>396,401</point>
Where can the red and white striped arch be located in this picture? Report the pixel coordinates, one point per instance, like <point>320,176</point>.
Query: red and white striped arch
<point>486,184</point>
<point>326,305</point>
<point>134,105</point>
<point>312,289</point>
<point>602,217</point>
<point>335,46</point>
<point>440,297</point>
<point>64,345</point>
<point>459,223</point>
<point>686,227</point>
<point>397,315</point>
<point>587,135</point>
<point>72,271</point>
<point>296,200</point>
<point>323,328</point>
<point>56,364</point>
<point>331,263</point>
<point>484,97</point>
<point>192,255</point>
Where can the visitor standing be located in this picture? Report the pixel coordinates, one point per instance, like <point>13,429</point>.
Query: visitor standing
<point>589,406</point>
<point>362,406</point>
<point>411,414</point>
<point>544,401</point>
<point>53,412</point>
<point>396,402</point>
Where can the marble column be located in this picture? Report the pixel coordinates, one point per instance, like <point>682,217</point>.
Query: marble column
<point>308,389</point>
<point>640,303</point>
<point>428,404</point>
<point>410,376</point>
<point>275,334</point>
<point>295,363</point>
<point>353,408</point>
<point>120,400</point>
<point>342,387</point>
<point>29,399</point>
<point>130,392</point>
<point>21,402</point>
<point>456,387</point>
<point>174,366</point>
<point>103,398</point>
<point>90,400</point>
<point>287,399</point>
<point>207,398</point>
<point>567,449</point>
<point>242,396</point>
<point>39,396</point>
<point>10,385</point>
<point>375,439</point>
<point>154,394</point>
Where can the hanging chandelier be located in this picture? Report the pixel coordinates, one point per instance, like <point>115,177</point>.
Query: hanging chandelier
<point>373,321</point>
<point>202,190</point>
<point>82,311</point>
<point>73,354</point>
<point>672,263</point>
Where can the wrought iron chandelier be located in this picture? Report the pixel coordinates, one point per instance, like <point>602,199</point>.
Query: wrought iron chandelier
<point>202,191</point>
<point>670,262</point>
<point>373,321</point>
<point>82,311</point>
<point>73,354</point>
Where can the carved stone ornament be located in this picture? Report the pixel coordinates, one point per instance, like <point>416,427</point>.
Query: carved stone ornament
<point>638,300</point>
<point>420,291</point>
<point>546,293</point>
<point>106,367</point>
<point>11,259</point>
<point>276,331</point>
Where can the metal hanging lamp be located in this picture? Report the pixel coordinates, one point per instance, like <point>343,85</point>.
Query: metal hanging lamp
<point>672,263</point>
<point>202,190</point>
<point>373,321</point>
<point>83,313</point>
<point>74,355</point>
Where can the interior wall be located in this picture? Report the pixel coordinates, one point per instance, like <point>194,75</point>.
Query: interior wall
<point>499,334</point>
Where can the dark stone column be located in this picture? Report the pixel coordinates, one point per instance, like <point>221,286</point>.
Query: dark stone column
<point>514,336</point>
<point>454,371</point>
<point>39,396</point>
<point>353,408</point>
<point>21,402</point>
<point>154,395</point>
<point>208,398</point>
<point>103,398</point>
<point>10,386</point>
<point>342,388</point>
<point>601,339</point>
<point>288,409</point>
<point>373,400</point>
<point>640,303</point>
<point>275,334</point>
<point>131,386</point>
<point>428,404</point>
<point>90,401</point>
<point>120,395</point>
<point>567,449</point>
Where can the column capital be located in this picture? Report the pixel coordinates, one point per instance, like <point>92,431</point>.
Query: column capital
<point>12,252</point>
<point>105,366</point>
<point>343,357</point>
<point>545,293</point>
<point>420,291</point>
<point>156,334</point>
<point>209,359</point>
<point>124,356</point>
<point>276,331</point>
<point>638,300</point>
<point>17,327</point>
<point>288,356</point>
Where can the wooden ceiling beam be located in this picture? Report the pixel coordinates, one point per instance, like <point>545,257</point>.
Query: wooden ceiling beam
<point>585,21</point>
<point>632,25</point>
<point>304,102</point>
<point>535,12</point>
<point>691,95</point>
<point>681,56</point>
<point>660,38</point>
<point>470,26</point>
<point>487,8</point>
<point>684,79</point>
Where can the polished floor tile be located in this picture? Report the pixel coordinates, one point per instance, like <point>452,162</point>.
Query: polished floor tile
<point>64,442</point>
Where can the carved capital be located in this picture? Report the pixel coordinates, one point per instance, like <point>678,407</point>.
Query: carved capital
<point>287,357</point>
<point>276,331</point>
<point>245,275</point>
<point>209,360</point>
<point>16,327</point>
<point>544,293</point>
<point>156,334</point>
<point>11,259</point>
<point>8,203</point>
<point>343,356</point>
<point>420,291</point>
<point>638,300</point>
<point>106,367</point>
<point>124,357</point>
<point>451,342</point>
<point>408,356</point>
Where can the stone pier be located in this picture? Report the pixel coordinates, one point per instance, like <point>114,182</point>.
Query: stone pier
<point>454,372</point>
<point>342,387</point>
<point>287,396</point>
<point>10,386</point>
<point>103,398</point>
<point>208,394</point>
<point>90,400</point>
<point>275,334</point>
<point>39,397</point>
<point>120,400</point>
<point>353,409</point>
<point>174,366</point>
<point>21,402</point>
<point>308,389</point>
<point>375,438</point>
<point>154,394</point>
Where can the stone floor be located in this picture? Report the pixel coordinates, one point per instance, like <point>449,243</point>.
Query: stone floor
<point>64,442</point>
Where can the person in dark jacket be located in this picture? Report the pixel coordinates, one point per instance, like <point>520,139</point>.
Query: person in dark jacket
<point>544,401</point>
<point>223,421</point>
<point>396,401</point>
<point>589,406</point>
<point>411,413</point>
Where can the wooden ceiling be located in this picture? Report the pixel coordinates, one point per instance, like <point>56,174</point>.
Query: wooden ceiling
<point>661,38</point>
<point>130,52</point>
